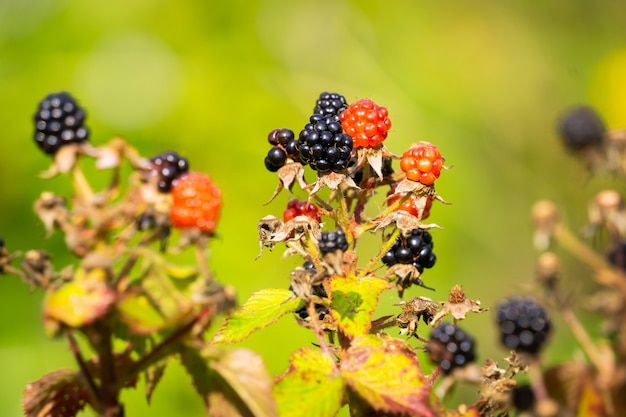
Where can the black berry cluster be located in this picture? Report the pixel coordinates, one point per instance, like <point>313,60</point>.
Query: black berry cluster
<point>324,146</point>
<point>450,347</point>
<point>330,104</point>
<point>524,325</point>
<point>581,127</point>
<point>332,241</point>
<point>284,145</point>
<point>416,249</point>
<point>168,166</point>
<point>59,121</point>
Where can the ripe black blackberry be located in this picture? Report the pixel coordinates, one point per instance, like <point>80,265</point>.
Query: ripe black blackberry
<point>324,146</point>
<point>285,146</point>
<point>581,127</point>
<point>59,121</point>
<point>168,166</point>
<point>330,104</point>
<point>332,241</point>
<point>523,397</point>
<point>617,256</point>
<point>524,325</point>
<point>416,249</point>
<point>450,347</point>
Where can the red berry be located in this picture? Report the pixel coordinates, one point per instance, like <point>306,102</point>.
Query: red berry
<point>412,205</point>
<point>422,162</point>
<point>297,208</point>
<point>196,202</point>
<point>366,123</point>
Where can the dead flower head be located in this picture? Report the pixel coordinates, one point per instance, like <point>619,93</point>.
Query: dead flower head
<point>458,306</point>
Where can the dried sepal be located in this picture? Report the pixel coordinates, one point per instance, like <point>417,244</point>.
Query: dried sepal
<point>607,211</point>
<point>412,311</point>
<point>288,175</point>
<point>406,275</point>
<point>114,152</point>
<point>404,221</point>
<point>273,230</point>
<point>546,217</point>
<point>51,210</point>
<point>303,280</point>
<point>38,269</point>
<point>458,306</point>
<point>332,180</point>
<point>517,362</point>
<point>375,157</point>
<point>65,160</point>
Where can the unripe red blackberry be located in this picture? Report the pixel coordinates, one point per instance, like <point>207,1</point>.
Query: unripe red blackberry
<point>168,166</point>
<point>296,208</point>
<point>524,325</point>
<point>450,347</point>
<point>416,249</point>
<point>332,241</point>
<point>59,121</point>
<point>581,127</point>
<point>324,146</point>
<point>330,104</point>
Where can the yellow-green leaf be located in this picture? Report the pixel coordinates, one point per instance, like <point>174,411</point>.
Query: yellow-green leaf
<point>79,302</point>
<point>311,387</point>
<point>142,317</point>
<point>263,308</point>
<point>353,301</point>
<point>180,271</point>
<point>385,373</point>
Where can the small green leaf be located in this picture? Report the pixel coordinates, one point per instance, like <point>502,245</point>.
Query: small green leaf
<point>263,308</point>
<point>236,379</point>
<point>311,387</point>
<point>141,317</point>
<point>353,301</point>
<point>59,393</point>
<point>385,373</point>
<point>181,271</point>
<point>79,302</point>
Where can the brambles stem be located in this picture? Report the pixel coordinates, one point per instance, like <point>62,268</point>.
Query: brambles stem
<point>383,250</point>
<point>91,385</point>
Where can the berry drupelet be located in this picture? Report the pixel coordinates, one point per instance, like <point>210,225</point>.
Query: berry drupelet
<point>524,325</point>
<point>324,146</point>
<point>581,127</point>
<point>168,166</point>
<point>332,241</point>
<point>59,121</point>
<point>330,104</point>
<point>417,249</point>
<point>450,347</point>
<point>284,146</point>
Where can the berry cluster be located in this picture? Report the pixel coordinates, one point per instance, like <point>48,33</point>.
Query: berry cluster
<point>297,208</point>
<point>330,105</point>
<point>524,325</point>
<point>284,146</point>
<point>412,205</point>
<point>366,123</point>
<point>168,166</point>
<point>59,121</point>
<point>581,127</point>
<point>416,249</point>
<point>450,347</point>
<point>332,241</point>
<point>196,202</point>
<point>422,162</point>
<point>324,146</point>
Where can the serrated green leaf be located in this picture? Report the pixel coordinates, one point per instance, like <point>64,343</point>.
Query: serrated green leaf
<point>311,387</point>
<point>353,301</point>
<point>263,308</point>
<point>385,373</point>
<point>237,379</point>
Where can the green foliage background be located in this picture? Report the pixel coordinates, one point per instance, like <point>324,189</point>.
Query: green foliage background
<point>483,80</point>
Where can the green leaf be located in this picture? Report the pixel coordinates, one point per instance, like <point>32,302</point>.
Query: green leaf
<point>263,308</point>
<point>353,301</point>
<point>153,376</point>
<point>59,393</point>
<point>311,387</point>
<point>385,373</point>
<point>139,314</point>
<point>231,382</point>
<point>79,302</point>
<point>180,271</point>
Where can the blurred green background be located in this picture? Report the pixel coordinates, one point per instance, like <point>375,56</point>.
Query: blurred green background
<point>483,80</point>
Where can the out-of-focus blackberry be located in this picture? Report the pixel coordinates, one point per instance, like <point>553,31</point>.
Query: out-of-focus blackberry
<point>450,347</point>
<point>285,146</point>
<point>617,256</point>
<point>317,290</point>
<point>59,121</point>
<point>524,325</point>
<point>330,104</point>
<point>416,249</point>
<point>581,127</point>
<point>324,146</point>
<point>332,241</point>
<point>168,166</point>
<point>523,397</point>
